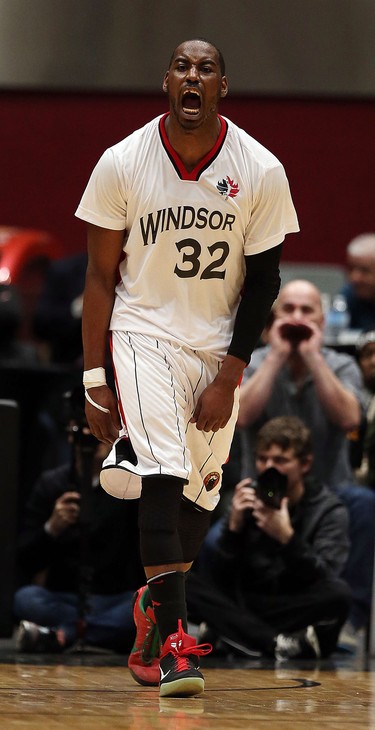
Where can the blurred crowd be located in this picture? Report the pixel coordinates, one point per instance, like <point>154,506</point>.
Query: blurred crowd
<point>285,578</point>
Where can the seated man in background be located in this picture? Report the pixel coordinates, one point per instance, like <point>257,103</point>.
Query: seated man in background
<point>78,555</point>
<point>275,566</point>
<point>359,291</point>
<point>366,358</point>
<point>295,375</point>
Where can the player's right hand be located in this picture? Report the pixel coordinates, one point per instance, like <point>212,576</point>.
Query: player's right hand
<point>104,426</point>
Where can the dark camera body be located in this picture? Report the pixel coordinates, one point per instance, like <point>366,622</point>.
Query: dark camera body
<point>83,439</point>
<point>295,333</point>
<point>270,487</point>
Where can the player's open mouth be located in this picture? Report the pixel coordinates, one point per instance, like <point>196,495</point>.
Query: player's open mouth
<point>191,102</point>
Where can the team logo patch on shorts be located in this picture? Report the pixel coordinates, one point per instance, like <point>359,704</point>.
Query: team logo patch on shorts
<point>211,480</point>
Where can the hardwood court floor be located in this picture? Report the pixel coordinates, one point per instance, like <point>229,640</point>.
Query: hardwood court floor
<point>76,695</point>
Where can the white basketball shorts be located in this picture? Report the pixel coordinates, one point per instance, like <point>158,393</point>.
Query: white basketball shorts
<point>158,385</point>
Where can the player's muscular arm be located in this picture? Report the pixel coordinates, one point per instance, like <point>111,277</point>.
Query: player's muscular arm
<point>104,250</point>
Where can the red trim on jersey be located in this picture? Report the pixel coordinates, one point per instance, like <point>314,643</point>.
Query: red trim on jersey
<point>116,382</point>
<point>179,166</point>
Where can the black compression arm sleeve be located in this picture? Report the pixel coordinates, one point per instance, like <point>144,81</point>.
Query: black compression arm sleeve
<point>261,287</point>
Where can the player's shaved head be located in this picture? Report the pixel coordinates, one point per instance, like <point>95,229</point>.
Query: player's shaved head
<point>207,43</point>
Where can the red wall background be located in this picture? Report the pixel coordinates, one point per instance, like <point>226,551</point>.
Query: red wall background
<point>51,141</point>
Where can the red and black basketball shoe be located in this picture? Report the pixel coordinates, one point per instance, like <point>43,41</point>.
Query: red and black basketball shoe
<point>143,661</point>
<point>179,665</point>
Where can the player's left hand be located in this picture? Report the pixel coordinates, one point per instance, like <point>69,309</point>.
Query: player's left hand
<point>214,407</point>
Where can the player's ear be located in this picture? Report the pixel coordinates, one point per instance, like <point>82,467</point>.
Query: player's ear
<point>224,87</point>
<point>165,83</point>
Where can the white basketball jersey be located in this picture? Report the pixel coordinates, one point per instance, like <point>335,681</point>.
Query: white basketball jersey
<point>186,233</point>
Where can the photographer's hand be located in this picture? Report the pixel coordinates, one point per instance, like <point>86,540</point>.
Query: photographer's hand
<point>243,499</point>
<point>274,522</point>
<point>65,514</point>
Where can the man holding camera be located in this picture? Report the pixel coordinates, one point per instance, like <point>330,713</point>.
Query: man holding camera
<point>278,555</point>
<point>78,554</point>
<point>295,375</point>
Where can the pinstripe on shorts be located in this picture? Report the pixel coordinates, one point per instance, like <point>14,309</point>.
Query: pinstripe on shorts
<point>158,384</point>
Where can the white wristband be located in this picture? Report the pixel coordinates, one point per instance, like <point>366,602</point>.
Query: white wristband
<point>96,405</point>
<point>94,378</point>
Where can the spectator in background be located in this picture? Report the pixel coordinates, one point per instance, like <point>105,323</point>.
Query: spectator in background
<point>298,376</point>
<point>359,291</point>
<point>295,375</point>
<point>271,573</point>
<point>78,555</point>
<point>24,380</point>
<point>366,359</point>
<point>58,316</point>
<point>13,352</point>
<point>57,325</point>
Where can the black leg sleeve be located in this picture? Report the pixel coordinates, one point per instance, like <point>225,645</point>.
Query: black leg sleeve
<point>193,526</point>
<point>159,509</point>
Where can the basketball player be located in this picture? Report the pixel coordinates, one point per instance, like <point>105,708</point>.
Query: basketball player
<point>200,210</point>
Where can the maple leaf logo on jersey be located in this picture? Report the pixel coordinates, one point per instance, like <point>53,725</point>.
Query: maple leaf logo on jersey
<point>227,188</point>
